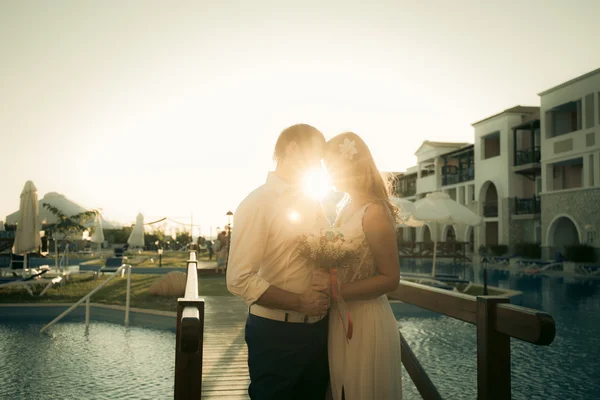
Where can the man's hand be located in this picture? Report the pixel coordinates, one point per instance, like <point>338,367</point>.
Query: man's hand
<point>321,281</point>
<point>314,303</point>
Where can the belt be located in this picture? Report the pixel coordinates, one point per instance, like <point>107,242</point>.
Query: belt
<point>283,316</point>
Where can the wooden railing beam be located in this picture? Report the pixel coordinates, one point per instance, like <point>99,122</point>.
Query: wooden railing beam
<point>522,323</point>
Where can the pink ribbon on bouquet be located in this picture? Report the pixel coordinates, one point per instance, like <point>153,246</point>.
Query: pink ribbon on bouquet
<point>338,296</point>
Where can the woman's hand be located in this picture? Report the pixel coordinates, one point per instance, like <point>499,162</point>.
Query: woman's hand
<point>321,282</point>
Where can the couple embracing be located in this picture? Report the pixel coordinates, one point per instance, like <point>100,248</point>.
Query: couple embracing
<point>297,345</point>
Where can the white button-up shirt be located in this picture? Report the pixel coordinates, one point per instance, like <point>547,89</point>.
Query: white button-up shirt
<point>267,226</point>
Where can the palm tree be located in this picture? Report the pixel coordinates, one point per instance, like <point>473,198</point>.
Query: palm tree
<point>68,227</point>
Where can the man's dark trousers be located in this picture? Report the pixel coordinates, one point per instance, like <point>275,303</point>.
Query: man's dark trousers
<point>287,360</point>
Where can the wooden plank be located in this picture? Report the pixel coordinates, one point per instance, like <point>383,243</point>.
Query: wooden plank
<point>493,352</point>
<point>225,359</point>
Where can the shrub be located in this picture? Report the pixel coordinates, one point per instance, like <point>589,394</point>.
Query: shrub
<point>498,249</point>
<point>483,250</point>
<point>529,250</point>
<point>583,253</point>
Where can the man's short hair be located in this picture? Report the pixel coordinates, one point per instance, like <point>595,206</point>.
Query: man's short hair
<point>301,134</point>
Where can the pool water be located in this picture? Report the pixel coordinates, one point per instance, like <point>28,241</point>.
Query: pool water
<point>567,369</point>
<point>110,362</point>
<point>113,362</point>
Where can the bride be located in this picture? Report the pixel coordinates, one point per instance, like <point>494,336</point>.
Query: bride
<point>368,366</point>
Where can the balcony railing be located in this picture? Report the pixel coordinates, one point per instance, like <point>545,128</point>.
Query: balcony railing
<point>528,156</point>
<point>490,209</point>
<point>452,178</point>
<point>407,190</point>
<point>524,206</point>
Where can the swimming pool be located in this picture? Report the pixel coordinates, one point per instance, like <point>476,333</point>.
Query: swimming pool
<point>567,369</point>
<point>111,362</point>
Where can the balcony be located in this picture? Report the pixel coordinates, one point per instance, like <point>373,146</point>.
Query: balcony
<point>405,187</point>
<point>407,192</point>
<point>526,206</point>
<point>452,175</point>
<point>490,209</point>
<point>458,166</point>
<point>528,156</point>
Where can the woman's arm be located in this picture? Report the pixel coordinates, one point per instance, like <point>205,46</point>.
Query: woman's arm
<point>380,232</point>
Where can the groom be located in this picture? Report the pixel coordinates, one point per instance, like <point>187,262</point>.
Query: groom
<point>286,329</point>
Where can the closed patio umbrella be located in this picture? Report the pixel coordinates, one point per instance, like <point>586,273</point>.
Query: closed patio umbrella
<point>1,226</point>
<point>136,239</point>
<point>439,208</point>
<point>27,237</point>
<point>98,235</point>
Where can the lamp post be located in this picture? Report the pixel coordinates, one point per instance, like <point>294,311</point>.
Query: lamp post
<point>229,217</point>
<point>160,253</point>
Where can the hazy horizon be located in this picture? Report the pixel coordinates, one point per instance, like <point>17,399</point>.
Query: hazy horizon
<point>171,109</point>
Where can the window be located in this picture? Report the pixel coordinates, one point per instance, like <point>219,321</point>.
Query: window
<point>567,174</point>
<point>589,111</point>
<point>538,233</point>
<point>491,145</point>
<point>470,194</point>
<point>591,170</point>
<point>564,119</point>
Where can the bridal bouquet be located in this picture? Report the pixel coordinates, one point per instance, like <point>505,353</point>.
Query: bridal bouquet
<point>329,250</point>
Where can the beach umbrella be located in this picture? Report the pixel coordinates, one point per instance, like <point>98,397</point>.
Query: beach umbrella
<point>136,239</point>
<point>406,213</point>
<point>98,235</point>
<point>438,208</point>
<point>27,238</point>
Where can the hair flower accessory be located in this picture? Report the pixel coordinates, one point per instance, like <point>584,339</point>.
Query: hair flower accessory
<point>348,149</point>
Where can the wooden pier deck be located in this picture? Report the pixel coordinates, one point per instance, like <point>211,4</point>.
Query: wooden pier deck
<point>225,359</point>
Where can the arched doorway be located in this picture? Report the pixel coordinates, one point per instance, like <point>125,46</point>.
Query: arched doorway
<point>489,198</point>
<point>413,234</point>
<point>426,234</point>
<point>449,234</point>
<point>400,234</point>
<point>470,239</point>
<point>563,232</point>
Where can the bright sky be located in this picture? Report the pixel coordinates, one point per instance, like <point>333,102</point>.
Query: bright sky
<point>173,108</point>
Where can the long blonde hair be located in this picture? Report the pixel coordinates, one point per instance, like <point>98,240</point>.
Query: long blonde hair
<point>361,172</point>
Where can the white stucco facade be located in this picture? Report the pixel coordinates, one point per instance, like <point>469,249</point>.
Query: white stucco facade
<point>570,124</point>
<point>536,172</point>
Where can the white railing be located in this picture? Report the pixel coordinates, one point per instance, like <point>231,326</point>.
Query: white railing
<point>86,298</point>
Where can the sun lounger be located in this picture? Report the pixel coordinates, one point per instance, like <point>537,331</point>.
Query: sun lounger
<point>111,264</point>
<point>591,270</point>
<point>30,282</point>
<point>499,260</point>
<point>119,252</point>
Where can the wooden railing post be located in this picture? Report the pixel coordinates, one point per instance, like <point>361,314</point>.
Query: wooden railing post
<point>188,353</point>
<point>189,338</point>
<point>493,352</point>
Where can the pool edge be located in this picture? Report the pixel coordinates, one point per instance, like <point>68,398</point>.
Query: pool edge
<point>45,312</point>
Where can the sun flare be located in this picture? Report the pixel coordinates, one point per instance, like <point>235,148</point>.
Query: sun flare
<point>316,183</point>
